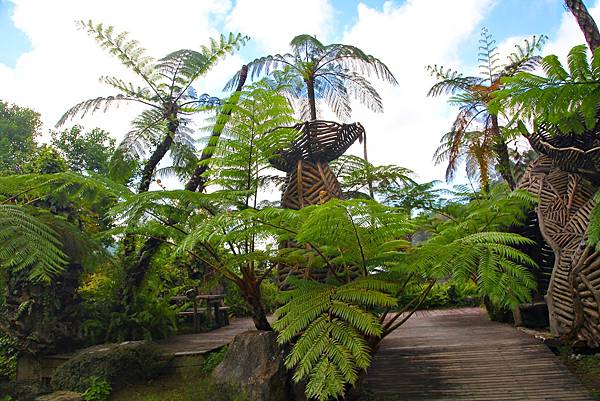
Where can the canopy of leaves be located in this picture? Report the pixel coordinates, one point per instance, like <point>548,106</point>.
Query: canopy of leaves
<point>565,100</point>
<point>165,88</point>
<point>46,160</point>
<point>85,151</point>
<point>336,72</point>
<point>19,126</point>
<point>476,130</point>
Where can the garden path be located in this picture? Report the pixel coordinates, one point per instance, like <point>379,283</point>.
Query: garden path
<point>201,343</point>
<point>458,354</point>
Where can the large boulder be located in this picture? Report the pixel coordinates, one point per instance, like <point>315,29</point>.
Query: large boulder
<point>255,364</point>
<point>121,364</point>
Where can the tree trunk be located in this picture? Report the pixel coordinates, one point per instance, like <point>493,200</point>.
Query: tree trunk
<point>586,22</point>
<point>310,85</point>
<point>197,182</point>
<point>502,157</point>
<point>250,290</point>
<point>137,268</point>
<point>366,157</point>
<point>159,153</point>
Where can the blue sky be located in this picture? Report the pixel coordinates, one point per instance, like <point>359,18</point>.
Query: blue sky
<point>507,18</point>
<point>49,65</point>
<point>13,41</point>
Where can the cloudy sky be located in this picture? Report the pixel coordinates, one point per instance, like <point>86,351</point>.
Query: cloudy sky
<point>49,65</point>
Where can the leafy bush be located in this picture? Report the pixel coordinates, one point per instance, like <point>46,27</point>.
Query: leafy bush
<point>119,364</point>
<point>239,307</point>
<point>99,390</point>
<point>8,358</point>
<point>212,360</point>
<point>445,295</point>
<point>149,317</point>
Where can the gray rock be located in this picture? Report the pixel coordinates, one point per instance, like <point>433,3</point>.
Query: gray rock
<point>120,364</point>
<point>61,396</point>
<point>255,365</point>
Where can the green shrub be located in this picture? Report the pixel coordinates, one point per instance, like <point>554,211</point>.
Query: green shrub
<point>99,389</point>
<point>149,317</point>
<point>212,360</point>
<point>119,364</point>
<point>8,358</point>
<point>445,295</point>
<point>237,305</point>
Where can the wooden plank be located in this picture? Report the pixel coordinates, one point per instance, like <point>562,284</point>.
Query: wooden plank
<point>201,343</point>
<point>459,354</point>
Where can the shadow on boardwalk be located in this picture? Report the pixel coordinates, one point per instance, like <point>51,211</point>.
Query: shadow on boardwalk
<point>458,354</point>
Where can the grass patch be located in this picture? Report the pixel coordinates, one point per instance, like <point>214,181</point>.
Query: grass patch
<point>179,387</point>
<point>585,367</point>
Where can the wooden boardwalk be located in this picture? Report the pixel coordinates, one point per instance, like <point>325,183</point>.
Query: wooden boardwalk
<point>459,354</point>
<point>201,343</point>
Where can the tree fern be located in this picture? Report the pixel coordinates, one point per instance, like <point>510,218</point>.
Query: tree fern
<point>28,244</point>
<point>477,137</point>
<point>166,92</point>
<point>332,74</point>
<point>565,100</point>
<point>359,178</point>
<point>330,325</point>
<point>251,138</point>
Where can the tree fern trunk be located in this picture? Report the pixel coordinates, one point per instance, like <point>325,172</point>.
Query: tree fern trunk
<point>251,293</point>
<point>159,153</point>
<point>310,85</point>
<point>586,22</point>
<point>502,157</point>
<point>137,263</point>
<point>197,182</point>
<point>366,157</point>
<point>135,274</point>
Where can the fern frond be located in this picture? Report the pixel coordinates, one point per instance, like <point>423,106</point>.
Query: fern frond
<point>127,51</point>
<point>28,244</point>
<point>91,106</point>
<point>328,326</point>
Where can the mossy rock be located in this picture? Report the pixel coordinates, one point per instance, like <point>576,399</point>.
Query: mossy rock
<point>120,364</point>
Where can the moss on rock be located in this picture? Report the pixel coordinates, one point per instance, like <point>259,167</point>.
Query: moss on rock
<point>120,364</point>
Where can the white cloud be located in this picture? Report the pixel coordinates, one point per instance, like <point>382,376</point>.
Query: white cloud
<point>569,34</point>
<point>407,38</point>
<point>64,64</point>
<point>273,23</point>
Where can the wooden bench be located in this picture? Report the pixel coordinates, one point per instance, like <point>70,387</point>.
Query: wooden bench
<point>223,316</point>
<point>214,309</point>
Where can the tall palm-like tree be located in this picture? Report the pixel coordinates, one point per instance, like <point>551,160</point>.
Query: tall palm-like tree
<point>332,73</point>
<point>474,148</point>
<point>166,90</point>
<point>476,133</point>
<point>585,21</point>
